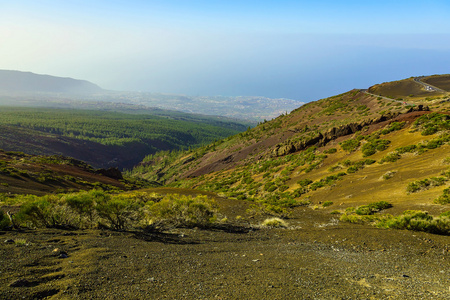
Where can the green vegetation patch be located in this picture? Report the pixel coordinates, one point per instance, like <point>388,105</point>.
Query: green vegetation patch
<point>444,198</point>
<point>97,208</point>
<point>432,123</point>
<point>424,184</point>
<point>119,129</point>
<point>373,146</point>
<point>418,221</point>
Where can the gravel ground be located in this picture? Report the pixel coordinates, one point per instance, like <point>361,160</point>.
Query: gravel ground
<point>316,258</point>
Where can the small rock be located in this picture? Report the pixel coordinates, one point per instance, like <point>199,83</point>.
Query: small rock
<point>63,255</point>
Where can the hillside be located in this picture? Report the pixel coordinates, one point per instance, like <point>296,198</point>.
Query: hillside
<point>107,139</point>
<point>338,149</point>
<point>21,173</point>
<point>17,82</point>
<point>310,205</point>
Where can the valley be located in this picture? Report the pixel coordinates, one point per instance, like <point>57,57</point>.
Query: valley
<point>346,197</point>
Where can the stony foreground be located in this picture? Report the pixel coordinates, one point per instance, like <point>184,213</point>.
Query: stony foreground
<point>317,258</point>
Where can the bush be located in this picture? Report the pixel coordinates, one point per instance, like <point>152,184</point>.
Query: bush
<point>304,182</point>
<point>444,198</point>
<point>327,203</point>
<point>391,157</point>
<point>394,126</point>
<point>406,149</point>
<point>183,211</point>
<point>418,221</point>
<point>372,208</point>
<point>373,146</point>
<point>425,184</point>
<point>119,211</point>
<point>283,188</point>
<point>4,220</point>
<point>330,151</point>
<point>83,204</point>
<point>274,223</point>
<point>350,145</point>
<point>46,211</point>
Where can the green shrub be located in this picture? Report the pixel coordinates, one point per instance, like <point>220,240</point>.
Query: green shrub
<point>445,214</point>
<point>305,182</point>
<point>418,221</point>
<point>350,145</point>
<point>424,184</point>
<point>369,161</point>
<point>44,211</point>
<point>327,203</point>
<point>283,188</point>
<point>353,169</point>
<point>330,151</point>
<point>372,208</point>
<point>118,210</point>
<point>4,220</point>
<point>270,186</point>
<point>444,198</point>
<point>373,146</point>
<point>183,211</point>
<point>391,157</point>
<point>406,149</point>
<point>394,126</point>
<point>83,204</point>
<point>318,184</point>
<point>274,223</point>
<point>432,123</point>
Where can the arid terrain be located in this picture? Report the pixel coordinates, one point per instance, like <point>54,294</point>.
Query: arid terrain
<point>316,257</point>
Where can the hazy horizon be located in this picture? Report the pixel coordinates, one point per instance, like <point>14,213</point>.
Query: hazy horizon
<point>285,49</point>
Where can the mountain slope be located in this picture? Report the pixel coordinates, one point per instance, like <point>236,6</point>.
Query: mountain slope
<point>107,139</point>
<point>39,175</point>
<point>350,149</point>
<point>27,82</point>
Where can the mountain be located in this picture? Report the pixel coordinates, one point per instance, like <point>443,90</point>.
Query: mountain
<point>33,90</point>
<point>290,207</point>
<point>27,82</point>
<point>387,143</point>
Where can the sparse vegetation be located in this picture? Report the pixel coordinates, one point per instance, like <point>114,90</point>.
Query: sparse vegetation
<point>327,203</point>
<point>418,221</point>
<point>444,198</point>
<point>274,223</point>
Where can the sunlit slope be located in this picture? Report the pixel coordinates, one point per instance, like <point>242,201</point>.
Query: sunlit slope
<point>414,89</point>
<point>439,81</point>
<point>350,149</point>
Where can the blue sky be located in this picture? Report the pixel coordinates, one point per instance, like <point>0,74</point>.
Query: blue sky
<point>303,50</point>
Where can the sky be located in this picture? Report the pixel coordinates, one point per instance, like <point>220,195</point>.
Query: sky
<point>302,50</point>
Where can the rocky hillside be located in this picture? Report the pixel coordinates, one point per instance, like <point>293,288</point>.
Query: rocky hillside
<point>349,149</point>
<point>21,173</point>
